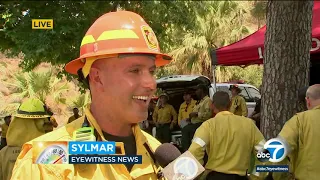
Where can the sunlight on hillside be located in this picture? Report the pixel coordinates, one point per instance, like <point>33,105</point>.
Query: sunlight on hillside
<point>59,95</point>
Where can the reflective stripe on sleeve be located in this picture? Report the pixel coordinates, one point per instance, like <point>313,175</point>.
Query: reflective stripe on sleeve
<point>285,142</point>
<point>260,146</point>
<point>199,141</point>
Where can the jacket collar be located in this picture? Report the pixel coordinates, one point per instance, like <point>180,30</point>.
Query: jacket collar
<point>147,166</point>
<point>317,107</point>
<point>224,113</point>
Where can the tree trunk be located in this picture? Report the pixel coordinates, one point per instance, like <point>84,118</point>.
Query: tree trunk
<point>286,61</point>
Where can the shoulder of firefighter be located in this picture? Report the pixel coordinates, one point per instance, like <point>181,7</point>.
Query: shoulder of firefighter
<point>8,156</point>
<point>203,109</point>
<point>4,130</point>
<point>301,134</point>
<point>239,106</point>
<point>217,136</point>
<point>147,170</point>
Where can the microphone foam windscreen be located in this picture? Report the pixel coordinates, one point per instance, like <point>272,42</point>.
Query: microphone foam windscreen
<point>166,153</point>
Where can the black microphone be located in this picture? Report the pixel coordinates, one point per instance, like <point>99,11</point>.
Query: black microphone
<point>166,153</point>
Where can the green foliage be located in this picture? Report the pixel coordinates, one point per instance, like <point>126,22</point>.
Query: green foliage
<point>71,21</point>
<point>251,74</point>
<point>80,101</point>
<point>220,25</point>
<point>259,12</point>
<point>40,85</point>
<point>8,109</point>
<point>187,29</point>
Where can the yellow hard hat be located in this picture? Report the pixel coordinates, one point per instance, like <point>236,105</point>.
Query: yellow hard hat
<point>32,108</point>
<point>164,94</point>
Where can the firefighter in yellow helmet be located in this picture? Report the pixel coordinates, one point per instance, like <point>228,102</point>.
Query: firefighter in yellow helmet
<point>238,104</point>
<point>118,58</point>
<point>229,141</point>
<point>27,124</point>
<point>301,134</point>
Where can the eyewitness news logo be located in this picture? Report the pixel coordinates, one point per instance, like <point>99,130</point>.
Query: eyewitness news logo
<point>82,152</point>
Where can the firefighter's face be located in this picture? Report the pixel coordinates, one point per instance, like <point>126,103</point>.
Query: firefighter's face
<point>234,92</point>
<point>187,97</point>
<point>126,86</point>
<point>163,100</point>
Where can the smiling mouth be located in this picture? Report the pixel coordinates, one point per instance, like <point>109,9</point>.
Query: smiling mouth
<point>142,98</point>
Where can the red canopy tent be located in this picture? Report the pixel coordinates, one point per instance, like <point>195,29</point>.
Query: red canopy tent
<point>250,49</point>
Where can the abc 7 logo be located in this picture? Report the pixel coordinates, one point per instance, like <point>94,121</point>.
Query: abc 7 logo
<point>274,151</point>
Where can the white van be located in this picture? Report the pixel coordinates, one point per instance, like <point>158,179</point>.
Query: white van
<point>175,86</point>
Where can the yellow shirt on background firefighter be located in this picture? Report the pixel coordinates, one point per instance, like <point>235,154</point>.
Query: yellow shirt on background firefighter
<point>302,133</point>
<point>185,110</point>
<point>164,115</point>
<point>239,106</point>
<point>229,141</point>
<point>145,171</point>
<point>16,137</point>
<point>71,119</point>
<point>203,109</point>
<point>4,128</point>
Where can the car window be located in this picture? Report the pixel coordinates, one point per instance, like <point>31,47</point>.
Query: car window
<point>245,94</point>
<point>254,93</point>
<point>224,88</point>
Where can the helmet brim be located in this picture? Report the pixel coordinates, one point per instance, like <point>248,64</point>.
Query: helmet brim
<point>73,66</point>
<point>27,116</point>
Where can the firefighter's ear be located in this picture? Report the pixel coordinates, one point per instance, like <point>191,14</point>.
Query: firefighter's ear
<point>95,76</point>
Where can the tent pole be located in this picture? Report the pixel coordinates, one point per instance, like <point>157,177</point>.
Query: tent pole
<point>214,77</point>
<point>214,62</point>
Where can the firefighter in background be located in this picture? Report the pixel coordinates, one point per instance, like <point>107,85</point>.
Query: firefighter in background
<point>238,104</point>
<point>256,114</point>
<point>4,127</point>
<point>302,98</point>
<point>165,118</point>
<point>51,122</point>
<point>186,107</point>
<point>117,63</point>
<point>229,141</point>
<point>148,124</point>
<point>27,124</point>
<point>74,116</point>
<point>301,134</point>
<point>200,113</point>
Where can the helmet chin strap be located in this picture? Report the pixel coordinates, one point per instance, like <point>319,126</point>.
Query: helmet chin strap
<point>82,79</point>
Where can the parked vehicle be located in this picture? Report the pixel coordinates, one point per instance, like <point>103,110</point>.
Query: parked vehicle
<point>175,86</point>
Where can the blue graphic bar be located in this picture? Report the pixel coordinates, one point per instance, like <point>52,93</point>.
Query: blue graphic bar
<point>272,168</point>
<point>94,147</point>
<point>105,159</point>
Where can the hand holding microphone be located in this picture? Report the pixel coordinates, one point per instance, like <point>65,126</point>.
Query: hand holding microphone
<point>177,166</point>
